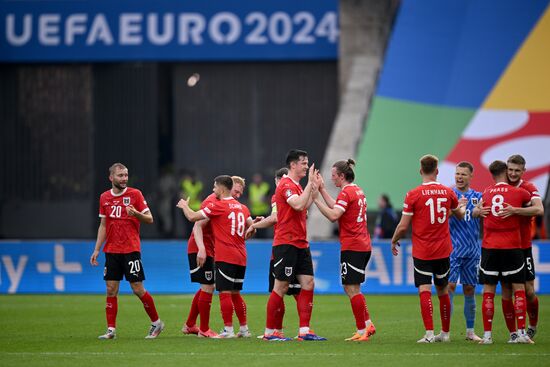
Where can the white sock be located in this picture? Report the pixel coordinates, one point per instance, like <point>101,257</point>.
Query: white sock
<point>156,323</point>
<point>368,323</point>
<point>362,331</point>
<point>111,329</point>
<point>470,331</point>
<point>269,331</point>
<point>487,335</point>
<point>243,328</point>
<point>229,329</point>
<point>304,330</point>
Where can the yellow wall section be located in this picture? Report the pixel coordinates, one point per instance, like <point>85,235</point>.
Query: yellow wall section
<point>525,84</point>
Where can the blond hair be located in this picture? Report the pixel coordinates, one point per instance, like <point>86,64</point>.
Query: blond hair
<point>238,180</point>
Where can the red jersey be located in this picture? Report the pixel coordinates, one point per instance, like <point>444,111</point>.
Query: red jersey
<point>122,229</point>
<point>430,204</point>
<point>498,232</point>
<point>228,218</point>
<point>354,235</point>
<point>291,224</point>
<point>527,222</point>
<point>207,235</point>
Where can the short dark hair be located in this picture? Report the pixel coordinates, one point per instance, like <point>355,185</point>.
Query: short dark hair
<point>224,180</point>
<point>294,156</point>
<point>466,164</point>
<point>113,168</point>
<point>281,172</point>
<point>346,167</point>
<point>517,159</point>
<point>428,163</point>
<point>497,168</point>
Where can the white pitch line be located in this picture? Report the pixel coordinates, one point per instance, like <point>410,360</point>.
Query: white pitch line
<point>527,353</point>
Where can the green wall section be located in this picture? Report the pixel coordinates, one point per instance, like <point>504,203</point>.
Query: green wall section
<point>397,134</point>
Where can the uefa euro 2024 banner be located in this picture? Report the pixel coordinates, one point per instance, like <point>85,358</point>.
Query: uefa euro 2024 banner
<point>168,30</point>
<point>63,267</point>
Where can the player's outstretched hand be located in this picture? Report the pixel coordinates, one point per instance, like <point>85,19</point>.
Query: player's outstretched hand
<point>311,175</point>
<point>394,249</point>
<point>93,258</point>
<point>462,201</point>
<point>258,218</point>
<point>251,231</point>
<point>183,203</point>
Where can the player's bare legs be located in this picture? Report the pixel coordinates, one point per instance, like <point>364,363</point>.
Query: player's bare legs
<point>149,305</point>
<point>365,327</point>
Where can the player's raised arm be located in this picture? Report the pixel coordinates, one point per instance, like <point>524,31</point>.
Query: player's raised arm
<point>332,214</point>
<point>300,202</point>
<point>535,209</point>
<point>189,213</point>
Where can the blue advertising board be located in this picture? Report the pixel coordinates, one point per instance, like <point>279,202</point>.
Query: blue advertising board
<point>168,30</point>
<point>63,267</point>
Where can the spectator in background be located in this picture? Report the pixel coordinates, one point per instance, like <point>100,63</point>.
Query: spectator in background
<point>258,200</point>
<point>387,218</point>
<point>191,187</point>
<point>167,187</point>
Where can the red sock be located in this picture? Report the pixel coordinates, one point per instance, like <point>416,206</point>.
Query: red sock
<point>533,311</point>
<point>367,315</point>
<point>488,310</point>
<point>445,312</point>
<point>281,315</point>
<point>426,309</point>
<point>509,314</point>
<point>273,311</point>
<point>226,306</point>
<point>520,308</point>
<point>305,307</point>
<point>240,307</point>
<point>111,308</point>
<point>204,304</point>
<point>194,311</point>
<point>149,306</point>
<point>358,306</point>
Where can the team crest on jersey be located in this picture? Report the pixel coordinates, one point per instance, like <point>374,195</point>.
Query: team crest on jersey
<point>126,201</point>
<point>208,275</point>
<point>474,201</point>
<point>288,271</point>
<point>288,193</point>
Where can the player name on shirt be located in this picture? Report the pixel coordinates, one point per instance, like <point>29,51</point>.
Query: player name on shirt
<point>434,192</point>
<point>498,189</point>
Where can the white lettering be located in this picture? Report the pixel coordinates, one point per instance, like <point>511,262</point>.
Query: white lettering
<point>100,31</point>
<point>154,36</point>
<point>12,37</point>
<point>48,29</point>
<point>130,29</point>
<point>75,24</point>
<point>61,265</point>
<point>191,26</point>
<point>14,274</point>
<point>280,27</point>
<point>381,270</point>
<point>214,28</point>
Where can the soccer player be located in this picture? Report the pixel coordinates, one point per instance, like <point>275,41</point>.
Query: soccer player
<point>350,210</point>
<point>428,207</point>
<point>294,287</point>
<point>466,250</point>
<point>501,254</point>
<point>121,210</point>
<point>291,251</point>
<point>229,220</point>
<point>201,268</point>
<point>515,171</point>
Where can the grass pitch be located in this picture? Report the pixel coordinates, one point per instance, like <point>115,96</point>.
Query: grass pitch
<point>56,330</point>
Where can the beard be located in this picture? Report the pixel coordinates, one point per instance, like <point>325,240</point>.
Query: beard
<point>119,186</point>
